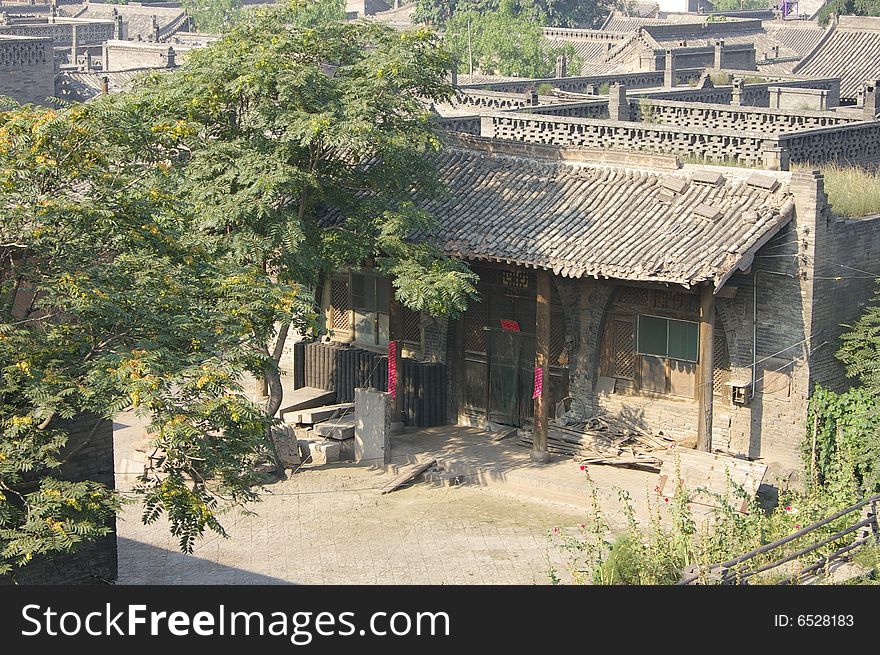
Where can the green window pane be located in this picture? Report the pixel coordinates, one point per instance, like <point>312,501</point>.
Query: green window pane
<point>683,338</point>
<point>652,335</point>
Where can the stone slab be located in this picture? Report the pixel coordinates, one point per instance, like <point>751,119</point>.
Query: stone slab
<point>372,431</point>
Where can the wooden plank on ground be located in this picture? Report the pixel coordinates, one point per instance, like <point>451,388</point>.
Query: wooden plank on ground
<point>709,472</point>
<point>503,433</point>
<point>408,474</point>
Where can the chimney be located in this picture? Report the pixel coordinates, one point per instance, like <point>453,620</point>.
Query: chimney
<point>117,28</point>
<point>775,51</point>
<point>155,33</point>
<point>871,106</point>
<point>618,105</point>
<point>561,66</point>
<point>719,54</point>
<point>532,97</point>
<point>74,43</point>
<point>105,85</point>
<point>739,85</point>
<point>669,71</point>
<point>171,60</point>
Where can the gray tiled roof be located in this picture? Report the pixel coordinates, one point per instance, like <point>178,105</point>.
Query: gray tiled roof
<point>139,18</point>
<point>586,49</point>
<point>762,41</point>
<point>599,220</point>
<point>80,86</point>
<point>800,38</point>
<point>850,54</point>
<point>631,24</point>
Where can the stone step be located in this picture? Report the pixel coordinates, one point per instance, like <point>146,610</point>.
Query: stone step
<point>441,478</point>
<point>305,398</point>
<point>337,429</point>
<point>319,414</point>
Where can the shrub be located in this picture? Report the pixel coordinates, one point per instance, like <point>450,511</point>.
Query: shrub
<point>852,191</point>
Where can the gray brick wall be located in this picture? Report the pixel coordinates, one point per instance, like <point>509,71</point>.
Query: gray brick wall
<point>94,561</point>
<point>27,72</point>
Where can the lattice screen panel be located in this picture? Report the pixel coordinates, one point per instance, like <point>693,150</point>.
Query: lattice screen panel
<point>410,327</point>
<point>557,336</point>
<point>474,321</point>
<point>720,359</point>
<point>339,306</point>
<point>634,296</point>
<point>624,350</point>
<point>677,300</point>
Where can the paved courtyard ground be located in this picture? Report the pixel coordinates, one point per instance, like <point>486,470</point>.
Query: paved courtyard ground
<point>332,526</point>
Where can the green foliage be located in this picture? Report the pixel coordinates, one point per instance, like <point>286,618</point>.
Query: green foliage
<point>737,5</point>
<point>111,300</point>
<point>306,143</point>
<point>214,16</point>
<point>556,13</point>
<point>853,192</point>
<point>505,42</point>
<point>153,242</point>
<point>843,425</point>
<point>672,540</point>
<point>849,8</point>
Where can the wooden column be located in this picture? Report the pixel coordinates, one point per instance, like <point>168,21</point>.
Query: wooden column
<point>542,356</point>
<point>705,368</point>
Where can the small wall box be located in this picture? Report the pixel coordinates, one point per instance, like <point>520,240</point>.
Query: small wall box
<point>740,391</point>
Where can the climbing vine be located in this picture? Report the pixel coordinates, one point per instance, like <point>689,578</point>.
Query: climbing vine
<point>845,424</point>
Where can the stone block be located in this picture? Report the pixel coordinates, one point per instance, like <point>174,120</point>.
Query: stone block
<point>346,450</point>
<point>318,453</point>
<point>372,412</point>
<point>286,445</point>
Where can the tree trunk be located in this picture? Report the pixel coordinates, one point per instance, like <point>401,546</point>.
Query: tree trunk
<point>272,387</point>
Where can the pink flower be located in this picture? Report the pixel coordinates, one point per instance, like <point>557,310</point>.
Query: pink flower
<point>788,508</point>
<point>665,500</point>
<point>797,527</point>
<point>583,468</point>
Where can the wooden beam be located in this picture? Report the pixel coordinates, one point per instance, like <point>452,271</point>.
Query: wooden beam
<point>542,357</point>
<point>705,367</point>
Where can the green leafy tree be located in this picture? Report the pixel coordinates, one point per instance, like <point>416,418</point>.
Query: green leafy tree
<point>736,5</point>
<point>112,300</point>
<point>849,8</point>
<point>848,424</point>
<point>556,13</point>
<point>505,42</point>
<point>214,16</point>
<point>306,140</point>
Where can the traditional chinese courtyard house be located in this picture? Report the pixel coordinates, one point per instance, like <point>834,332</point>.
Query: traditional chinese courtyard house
<point>701,301</point>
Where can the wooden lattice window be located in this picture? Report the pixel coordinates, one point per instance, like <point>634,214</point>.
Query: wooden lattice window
<point>624,350</point>
<point>340,317</point>
<point>720,359</point>
<point>517,279</point>
<point>410,325</point>
<point>557,336</point>
<point>677,301</point>
<point>634,296</point>
<point>474,321</point>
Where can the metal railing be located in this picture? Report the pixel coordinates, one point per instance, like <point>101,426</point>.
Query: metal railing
<point>730,572</point>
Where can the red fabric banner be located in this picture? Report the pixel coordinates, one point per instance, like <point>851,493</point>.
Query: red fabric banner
<point>392,368</point>
<point>539,382</point>
<point>510,326</point>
